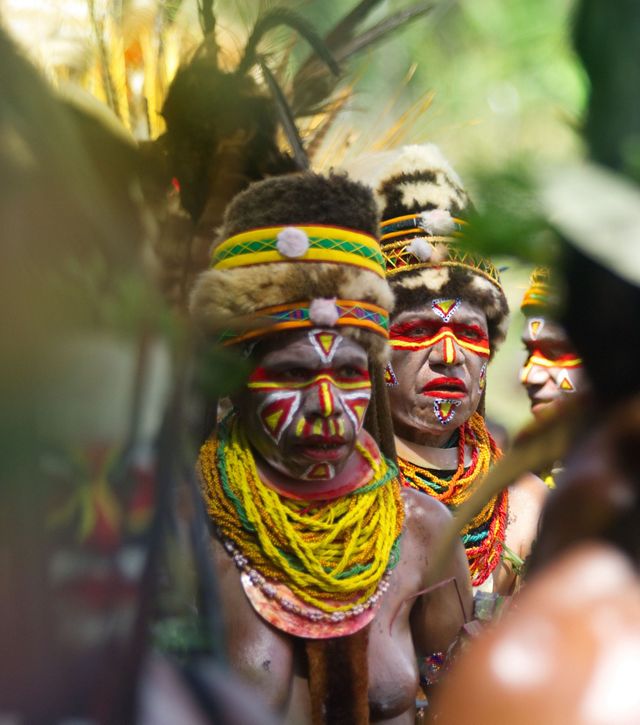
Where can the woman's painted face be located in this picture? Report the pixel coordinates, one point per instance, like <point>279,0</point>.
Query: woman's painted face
<point>305,402</point>
<point>552,368</point>
<point>439,360</point>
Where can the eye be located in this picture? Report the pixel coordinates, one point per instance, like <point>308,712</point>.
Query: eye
<point>351,371</point>
<point>471,332</point>
<point>295,374</point>
<point>417,328</point>
<point>418,331</point>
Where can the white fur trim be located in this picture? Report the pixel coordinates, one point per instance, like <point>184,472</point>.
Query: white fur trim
<point>374,168</point>
<point>433,279</point>
<point>437,193</point>
<point>481,284</point>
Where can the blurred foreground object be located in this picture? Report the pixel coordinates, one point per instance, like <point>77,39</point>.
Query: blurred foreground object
<point>568,651</point>
<point>90,432</point>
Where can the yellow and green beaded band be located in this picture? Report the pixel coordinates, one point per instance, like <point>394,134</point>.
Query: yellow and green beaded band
<point>300,244</point>
<point>399,233</point>
<point>300,315</point>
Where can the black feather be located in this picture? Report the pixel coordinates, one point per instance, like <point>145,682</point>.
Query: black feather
<point>344,29</point>
<point>311,84</point>
<point>286,117</point>
<point>383,28</point>
<point>275,18</point>
<point>207,16</point>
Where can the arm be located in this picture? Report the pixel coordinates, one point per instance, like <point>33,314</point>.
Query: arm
<point>526,499</point>
<point>439,613</point>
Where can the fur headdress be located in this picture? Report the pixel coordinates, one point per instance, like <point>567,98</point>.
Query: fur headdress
<point>423,204</point>
<point>297,251</point>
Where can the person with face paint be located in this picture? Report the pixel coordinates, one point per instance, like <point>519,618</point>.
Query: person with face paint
<point>553,369</point>
<point>450,315</point>
<point>322,556</point>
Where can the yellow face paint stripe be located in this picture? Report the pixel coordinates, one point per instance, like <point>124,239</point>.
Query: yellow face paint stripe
<point>429,342</point>
<point>449,351</point>
<point>266,385</point>
<point>544,362</point>
<point>524,375</point>
<point>326,399</point>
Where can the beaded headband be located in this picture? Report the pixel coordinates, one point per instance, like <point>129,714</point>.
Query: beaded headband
<point>541,293</point>
<point>317,313</point>
<point>316,243</point>
<point>411,242</point>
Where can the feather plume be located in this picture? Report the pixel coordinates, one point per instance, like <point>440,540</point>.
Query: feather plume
<point>286,117</point>
<point>206,16</point>
<point>275,18</point>
<point>311,83</point>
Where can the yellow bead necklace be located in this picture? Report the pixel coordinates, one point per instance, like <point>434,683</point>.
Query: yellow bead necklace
<point>483,536</point>
<point>332,555</point>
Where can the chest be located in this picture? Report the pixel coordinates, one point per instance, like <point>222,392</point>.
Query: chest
<point>274,663</point>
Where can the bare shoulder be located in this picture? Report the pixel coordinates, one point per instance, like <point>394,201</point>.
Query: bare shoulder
<point>526,500</point>
<point>528,491</point>
<point>424,514</point>
<point>422,510</point>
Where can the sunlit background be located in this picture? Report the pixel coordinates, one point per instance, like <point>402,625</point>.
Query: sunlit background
<point>486,80</point>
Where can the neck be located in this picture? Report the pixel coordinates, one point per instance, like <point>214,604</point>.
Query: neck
<point>423,438</point>
<point>356,473</point>
<point>432,457</point>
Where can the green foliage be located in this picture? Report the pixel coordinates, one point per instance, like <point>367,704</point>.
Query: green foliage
<point>509,220</point>
<point>221,371</point>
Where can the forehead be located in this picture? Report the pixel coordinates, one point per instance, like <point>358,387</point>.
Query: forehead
<point>544,330</point>
<point>308,346</point>
<point>465,312</point>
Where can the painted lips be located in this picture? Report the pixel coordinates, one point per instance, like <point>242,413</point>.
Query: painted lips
<point>445,388</point>
<point>321,448</point>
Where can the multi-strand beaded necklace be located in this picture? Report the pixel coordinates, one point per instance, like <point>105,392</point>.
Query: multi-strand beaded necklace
<point>333,555</point>
<point>483,536</point>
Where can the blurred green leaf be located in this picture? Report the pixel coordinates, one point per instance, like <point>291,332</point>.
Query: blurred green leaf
<point>221,371</point>
<point>508,219</point>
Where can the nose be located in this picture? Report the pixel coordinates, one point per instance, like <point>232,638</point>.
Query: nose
<point>321,400</point>
<point>534,375</point>
<point>322,412</point>
<point>447,351</point>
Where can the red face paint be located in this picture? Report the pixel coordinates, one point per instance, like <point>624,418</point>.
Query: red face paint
<point>422,334</point>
